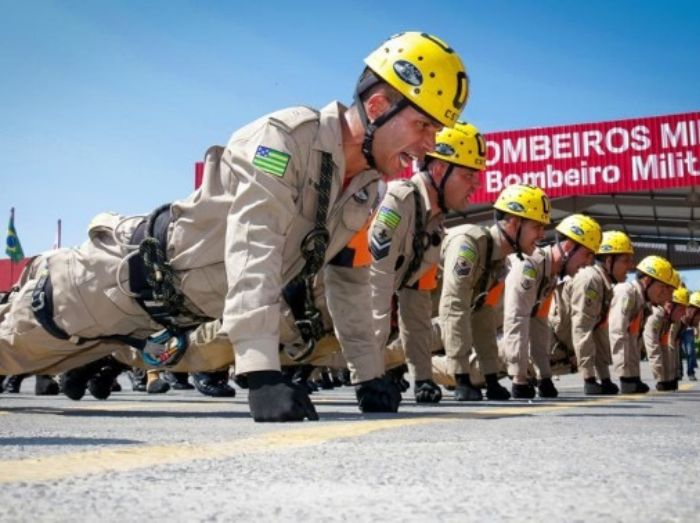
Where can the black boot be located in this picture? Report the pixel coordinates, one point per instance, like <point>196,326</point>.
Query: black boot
<point>547,388</point>
<point>301,376</point>
<point>74,382</point>
<point>609,388</point>
<point>272,399</point>
<point>427,391</point>
<point>100,384</point>
<point>45,385</point>
<point>522,391</point>
<point>178,380</point>
<point>592,388</point>
<point>2,379</point>
<point>396,375</point>
<point>664,386</point>
<point>633,385</point>
<point>14,383</point>
<point>214,384</point>
<point>465,391</point>
<point>378,395</point>
<point>674,384</point>
<point>494,390</point>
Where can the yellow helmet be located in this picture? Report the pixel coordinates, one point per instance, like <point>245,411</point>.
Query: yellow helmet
<point>660,269</point>
<point>461,145</point>
<point>426,71</point>
<point>615,242</point>
<point>681,296</point>
<point>582,229</point>
<point>694,300</point>
<point>526,201</point>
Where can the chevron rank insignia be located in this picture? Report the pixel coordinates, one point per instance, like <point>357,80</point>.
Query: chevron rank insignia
<point>380,243</point>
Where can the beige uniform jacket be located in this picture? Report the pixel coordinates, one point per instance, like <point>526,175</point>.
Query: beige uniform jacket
<point>464,255</point>
<point>525,307</point>
<point>391,244</point>
<point>234,243</point>
<point>624,327</point>
<point>591,292</point>
<point>657,344</point>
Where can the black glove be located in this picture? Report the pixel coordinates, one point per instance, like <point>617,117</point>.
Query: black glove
<point>378,395</point>
<point>272,399</point>
<point>427,391</point>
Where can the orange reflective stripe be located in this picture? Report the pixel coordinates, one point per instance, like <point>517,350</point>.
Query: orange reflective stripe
<point>428,281</point>
<point>360,245</point>
<point>636,324</point>
<point>493,296</point>
<point>543,309</point>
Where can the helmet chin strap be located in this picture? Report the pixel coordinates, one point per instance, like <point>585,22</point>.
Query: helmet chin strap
<point>371,127</point>
<point>611,271</point>
<point>514,243</point>
<point>566,256</point>
<point>440,190</point>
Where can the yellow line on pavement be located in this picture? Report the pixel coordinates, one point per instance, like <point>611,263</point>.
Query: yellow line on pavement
<point>128,458</point>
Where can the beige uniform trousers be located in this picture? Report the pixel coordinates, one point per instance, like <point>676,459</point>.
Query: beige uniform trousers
<point>526,333</point>
<point>467,273</point>
<point>624,328</point>
<point>590,296</point>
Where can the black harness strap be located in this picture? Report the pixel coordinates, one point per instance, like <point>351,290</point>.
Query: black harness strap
<point>151,276</point>
<point>421,239</point>
<point>485,276</point>
<point>298,293</point>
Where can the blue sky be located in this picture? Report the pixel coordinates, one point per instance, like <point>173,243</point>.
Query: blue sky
<point>107,105</point>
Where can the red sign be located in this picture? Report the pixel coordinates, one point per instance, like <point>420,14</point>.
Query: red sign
<point>604,157</point>
<point>10,272</point>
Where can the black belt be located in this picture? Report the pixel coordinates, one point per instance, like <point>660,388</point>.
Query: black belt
<point>42,307</point>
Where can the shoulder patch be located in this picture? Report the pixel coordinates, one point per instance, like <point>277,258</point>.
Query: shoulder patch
<point>271,160</point>
<point>465,260</point>
<point>529,275</point>
<point>388,217</point>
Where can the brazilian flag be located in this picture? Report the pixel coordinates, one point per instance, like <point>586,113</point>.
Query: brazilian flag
<point>13,248</point>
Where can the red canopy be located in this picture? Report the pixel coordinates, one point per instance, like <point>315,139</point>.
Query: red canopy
<point>9,272</point>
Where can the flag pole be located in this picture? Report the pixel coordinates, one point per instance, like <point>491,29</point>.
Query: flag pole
<point>58,237</point>
<point>12,260</point>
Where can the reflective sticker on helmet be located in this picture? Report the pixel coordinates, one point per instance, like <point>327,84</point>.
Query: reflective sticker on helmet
<point>408,72</point>
<point>444,149</point>
<point>515,207</point>
<point>576,230</point>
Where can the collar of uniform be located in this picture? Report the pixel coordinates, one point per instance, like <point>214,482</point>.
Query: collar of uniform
<point>639,290</point>
<point>419,180</point>
<point>329,137</point>
<point>547,256</point>
<point>606,278</point>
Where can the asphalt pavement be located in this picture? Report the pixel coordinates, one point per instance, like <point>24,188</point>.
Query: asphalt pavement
<point>182,456</point>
